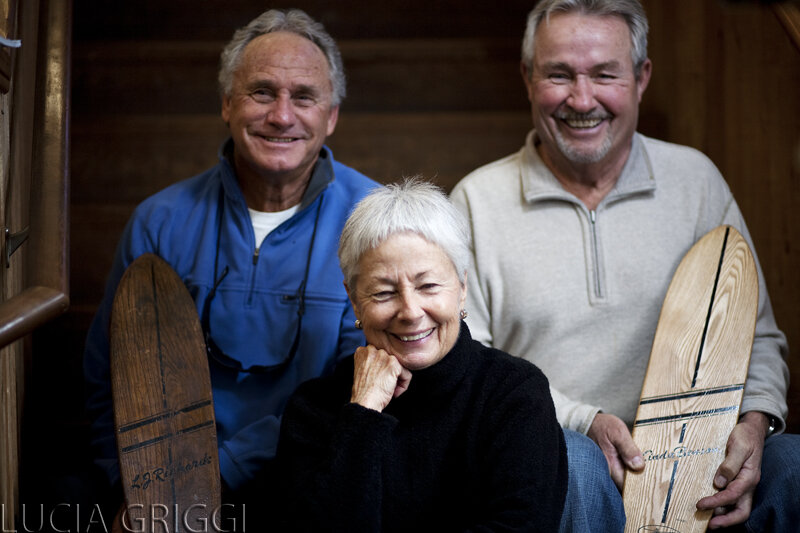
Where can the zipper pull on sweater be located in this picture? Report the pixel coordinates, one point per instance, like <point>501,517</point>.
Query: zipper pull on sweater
<point>598,287</point>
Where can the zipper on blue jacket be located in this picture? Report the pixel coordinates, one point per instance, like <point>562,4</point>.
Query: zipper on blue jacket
<point>253,276</point>
<point>598,290</point>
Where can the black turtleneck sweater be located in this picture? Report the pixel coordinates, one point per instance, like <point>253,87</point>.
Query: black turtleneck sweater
<point>472,445</point>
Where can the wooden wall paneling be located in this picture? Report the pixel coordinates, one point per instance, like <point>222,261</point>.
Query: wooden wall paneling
<point>436,75</point>
<point>442,147</point>
<point>146,77</point>
<point>96,229</point>
<point>674,104</point>
<point>384,75</point>
<point>762,80</point>
<point>729,87</point>
<point>345,19</point>
<point>137,155</point>
<point>143,154</point>
<point>789,15</point>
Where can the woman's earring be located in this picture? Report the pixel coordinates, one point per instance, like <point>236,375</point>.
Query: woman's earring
<point>464,314</point>
<point>358,324</point>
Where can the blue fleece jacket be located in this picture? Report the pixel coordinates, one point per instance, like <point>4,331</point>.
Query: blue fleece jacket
<point>253,317</point>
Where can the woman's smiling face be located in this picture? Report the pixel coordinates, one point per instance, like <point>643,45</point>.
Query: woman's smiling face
<point>409,298</point>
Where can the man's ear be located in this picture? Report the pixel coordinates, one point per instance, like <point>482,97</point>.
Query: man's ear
<point>526,78</point>
<point>226,108</point>
<point>333,118</point>
<point>644,77</point>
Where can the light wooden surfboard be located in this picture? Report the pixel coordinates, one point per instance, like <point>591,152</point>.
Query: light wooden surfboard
<point>163,410</point>
<point>694,383</point>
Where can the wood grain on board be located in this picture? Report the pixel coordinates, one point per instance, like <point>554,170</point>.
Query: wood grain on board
<point>163,410</point>
<point>693,388</point>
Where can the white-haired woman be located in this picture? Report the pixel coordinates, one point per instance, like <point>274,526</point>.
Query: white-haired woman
<point>423,429</point>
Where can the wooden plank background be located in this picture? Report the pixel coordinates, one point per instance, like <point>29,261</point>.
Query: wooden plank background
<point>433,89</point>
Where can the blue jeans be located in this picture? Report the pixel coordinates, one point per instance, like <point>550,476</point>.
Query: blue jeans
<point>594,504</point>
<point>776,505</point>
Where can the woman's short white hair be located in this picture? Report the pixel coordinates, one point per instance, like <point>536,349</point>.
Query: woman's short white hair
<point>412,206</point>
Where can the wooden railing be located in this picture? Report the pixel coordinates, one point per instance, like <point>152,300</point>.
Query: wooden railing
<point>46,295</point>
<point>35,189</point>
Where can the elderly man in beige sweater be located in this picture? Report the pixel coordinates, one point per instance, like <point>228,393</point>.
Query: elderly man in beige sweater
<point>576,238</point>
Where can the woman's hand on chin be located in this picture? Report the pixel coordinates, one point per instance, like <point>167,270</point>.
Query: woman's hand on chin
<point>378,377</point>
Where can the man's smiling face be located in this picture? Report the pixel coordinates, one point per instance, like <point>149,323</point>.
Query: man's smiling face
<point>279,110</point>
<point>583,91</point>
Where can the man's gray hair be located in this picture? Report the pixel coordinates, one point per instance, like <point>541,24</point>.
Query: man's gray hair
<point>413,206</point>
<point>630,10</point>
<point>293,21</point>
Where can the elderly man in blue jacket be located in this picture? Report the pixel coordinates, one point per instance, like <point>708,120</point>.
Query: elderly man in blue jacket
<point>254,239</point>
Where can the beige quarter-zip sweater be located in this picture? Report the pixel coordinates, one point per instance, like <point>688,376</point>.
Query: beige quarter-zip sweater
<point>579,292</point>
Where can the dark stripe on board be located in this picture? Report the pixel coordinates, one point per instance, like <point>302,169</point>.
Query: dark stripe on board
<point>694,394</point>
<point>669,492</point>
<point>686,416</point>
<point>172,487</point>
<point>710,307</point>
<point>145,422</point>
<point>195,406</point>
<point>145,443</point>
<point>205,424</point>
<point>156,418</point>
<point>156,440</point>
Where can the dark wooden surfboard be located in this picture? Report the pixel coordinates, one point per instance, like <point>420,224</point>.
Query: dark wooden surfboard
<point>163,410</point>
<point>694,383</point>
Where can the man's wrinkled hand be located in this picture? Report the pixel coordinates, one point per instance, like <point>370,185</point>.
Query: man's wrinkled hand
<point>614,439</point>
<point>737,476</point>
